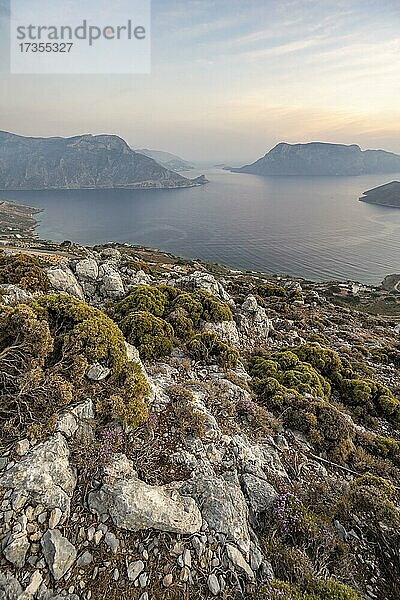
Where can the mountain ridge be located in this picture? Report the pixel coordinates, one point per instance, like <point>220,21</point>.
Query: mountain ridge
<point>167,159</point>
<point>86,161</point>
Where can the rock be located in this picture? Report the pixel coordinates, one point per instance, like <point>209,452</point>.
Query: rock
<point>111,282</point>
<point>204,281</point>
<point>252,323</point>
<point>134,505</point>
<point>187,558</point>
<point>213,584</point>
<point>209,422</point>
<point>58,552</point>
<point>22,447</point>
<point>44,475</point>
<point>72,419</point>
<point>85,559</point>
<point>97,372</point>
<point>34,585</point>
<point>226,331</point>
<point>112,542</point>
<point>222,505</point>
<point>167,580</point>
<point>236,558</point>
<point>55,518</point>
<point>10,588</point>
<point>257,458</point>
<point>62,279</point>
<point>87,269</point>
<point>16,550</point>
<point>119,467</point>
<point>111,254</point>
<point>259,492</point>
<point>12,294</point>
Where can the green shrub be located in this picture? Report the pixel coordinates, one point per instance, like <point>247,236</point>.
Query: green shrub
<point>25,271</point>
<point>266,290</point>
<point>326,361</point>
<point>208,348</point>
<point>290,375</point>
<point>331,590</point>
<point>152,336</point>
<point>45,350</point>
<point>189,306</point>
<point>313,369</point>
<point>139,299</point>
<point>214,310</point>
<point>80,329</point>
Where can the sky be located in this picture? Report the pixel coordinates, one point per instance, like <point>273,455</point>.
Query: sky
<point>231,79</point>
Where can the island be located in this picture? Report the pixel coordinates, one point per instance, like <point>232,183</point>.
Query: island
<point>322,159</point>
<point>80,162</point>
<point>385,195</point>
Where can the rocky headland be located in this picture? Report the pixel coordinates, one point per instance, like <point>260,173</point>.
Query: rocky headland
<point>175,429</point>
<point>385,195</point>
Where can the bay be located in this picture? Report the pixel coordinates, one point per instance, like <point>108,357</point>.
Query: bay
<point>312,227</point>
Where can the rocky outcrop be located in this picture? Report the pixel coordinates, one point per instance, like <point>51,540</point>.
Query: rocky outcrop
<point>43,476</point>
<point>63,280</point>
<point>134,505</point>
<point>203,281</point>
<point>252,323</point>
<point>12,294</point>
<point>222,506</point>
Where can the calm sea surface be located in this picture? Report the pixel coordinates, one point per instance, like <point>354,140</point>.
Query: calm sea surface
<point>310,227</point>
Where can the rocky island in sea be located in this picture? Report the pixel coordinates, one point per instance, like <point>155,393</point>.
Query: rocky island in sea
<point>81,162</point>
<point>322,159</point>
<point>176,429</point>
<point>385,195</point>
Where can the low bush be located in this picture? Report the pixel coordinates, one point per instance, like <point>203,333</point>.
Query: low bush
<point>208,348</point>
<point>152,336</point>
<point>155,318</point>
<point>24,270</point>
<point>45,351</point>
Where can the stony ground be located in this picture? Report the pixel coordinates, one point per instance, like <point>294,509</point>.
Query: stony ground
<point>246,477</point>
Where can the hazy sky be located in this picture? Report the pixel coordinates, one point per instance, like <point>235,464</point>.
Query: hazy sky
<point>232,78</point>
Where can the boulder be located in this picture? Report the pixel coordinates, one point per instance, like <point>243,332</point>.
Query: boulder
<point>97,372</point>
<point>74,418</point>
<point>222,505</point>
<point>58,552</point>
<point>204,281</point>
<point>134,505</point>
<point>12,294</point>
<point>63,280</point>
<point>111,282</point>
<point>238,561</point>
<point>87,269</point>
<point>16,550</point>
<point>226,331</point>
<point>258,458</point>
<point>259,493</point>
<point>252,323</point>
<point>44,475</point>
